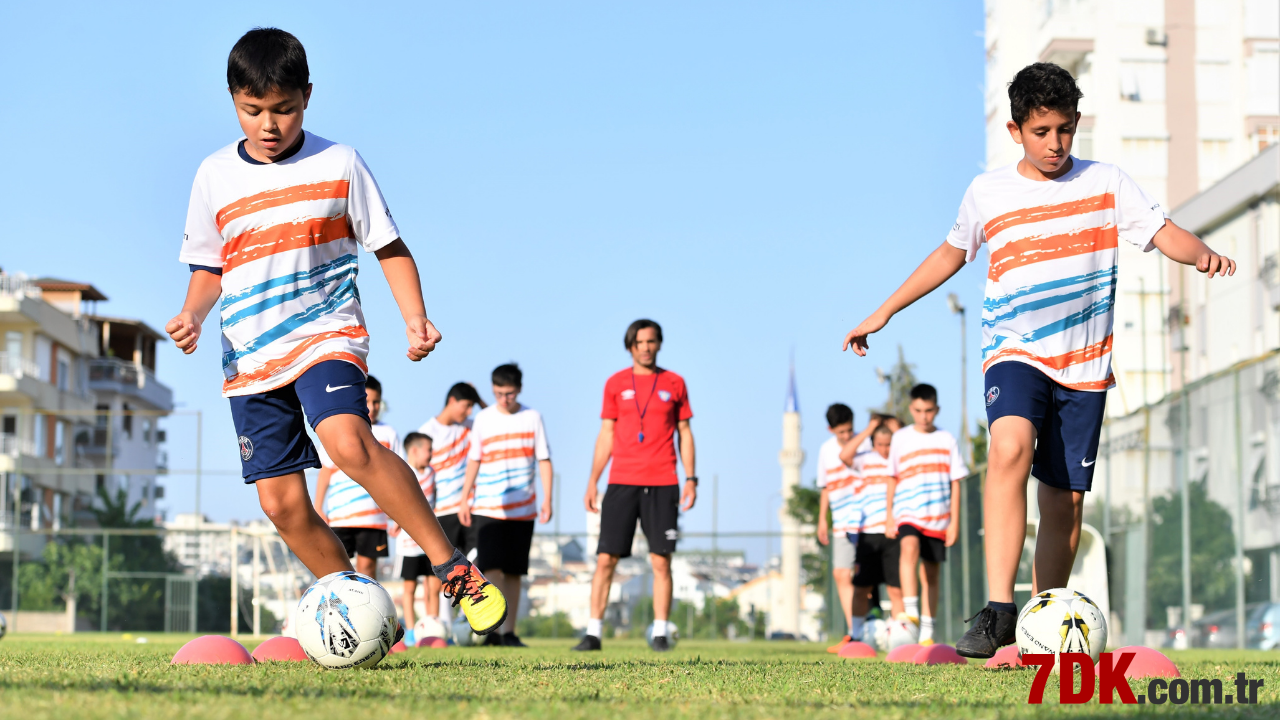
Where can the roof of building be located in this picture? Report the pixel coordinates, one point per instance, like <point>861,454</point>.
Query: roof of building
<point>1225,198</point>
<point>145,328</point>
<point>87,291</point>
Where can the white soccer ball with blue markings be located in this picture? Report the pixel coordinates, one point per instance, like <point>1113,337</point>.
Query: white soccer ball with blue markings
<point>346,620</point>
<point>1061,621</point>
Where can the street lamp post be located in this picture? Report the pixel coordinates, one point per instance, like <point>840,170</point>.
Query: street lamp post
<point>953,301</point>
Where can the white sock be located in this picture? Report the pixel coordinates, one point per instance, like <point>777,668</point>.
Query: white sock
<point>926,628</point>
<point>659,628</point>
<point>855,626</point>
<point>595,628</point>
<point>912,606</point>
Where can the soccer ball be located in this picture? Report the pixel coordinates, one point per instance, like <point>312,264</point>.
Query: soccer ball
<point>876,634</point>
<point>462,634</point>
<point>673,635</point>
<point>1061,621</point>
<point>4,627</point>
<point>345,620</point>
<point>429,627</point>
<point>902,632</point>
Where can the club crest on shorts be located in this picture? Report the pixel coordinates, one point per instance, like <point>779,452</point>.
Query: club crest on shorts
<point>992,395</point>
<point>246,448</point>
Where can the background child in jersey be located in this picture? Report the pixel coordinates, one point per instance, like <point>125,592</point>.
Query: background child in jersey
<point>508,452</point>
<point>923,506</point>
<point>1052,223</point>
<point>274,225</point>
<point>838,485</point>
<point>877,559</point>
<point>348,508</point>
<point>450,432</point>
<point>409,556</point>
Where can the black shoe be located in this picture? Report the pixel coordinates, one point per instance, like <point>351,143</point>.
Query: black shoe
<point>493,639</point>
<point>660,644</point>
<point>990,631</point>
<point>589,642</point>
<point>399,634</point>
<point>510,640</point>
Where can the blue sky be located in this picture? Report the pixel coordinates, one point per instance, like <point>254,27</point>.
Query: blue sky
<point>755,176</point>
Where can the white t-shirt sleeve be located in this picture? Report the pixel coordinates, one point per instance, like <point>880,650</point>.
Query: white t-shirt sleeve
<point>959,470</point>
<point>541,450</point>
<point>397,445</point>
<point>895,449</point>
<point>473,450</point>
<point>201,241</point>
<point>367,210</point>
<point>967,234</point>
<point>1138,217</point>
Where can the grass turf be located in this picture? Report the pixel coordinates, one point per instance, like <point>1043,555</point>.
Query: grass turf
<point>106,676</point>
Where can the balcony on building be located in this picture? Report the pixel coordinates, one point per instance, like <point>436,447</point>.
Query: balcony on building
<point>127,363</point>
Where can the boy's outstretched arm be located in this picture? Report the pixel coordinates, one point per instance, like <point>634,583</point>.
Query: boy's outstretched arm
<point>402,275</point>
<point>935,270</point>
<point>202,292</point>
<point>1183,247</point>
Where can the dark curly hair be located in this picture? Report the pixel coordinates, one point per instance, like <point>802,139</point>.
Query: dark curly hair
<point>1042,85</point>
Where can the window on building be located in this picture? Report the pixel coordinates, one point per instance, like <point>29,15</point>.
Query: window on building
<point>1145,157</point>
<point>1083,145</point>
<point>59,442</point>
<point>1142,80</point>
<point>41,437</point>
<point>9,425</point>
<point>126,421</point>
<point>1215,161</point>
<point>12,364</point>
<point>100,482</point>
<point>64,375</point>
<point>102,413</point>
<point>147,425</point>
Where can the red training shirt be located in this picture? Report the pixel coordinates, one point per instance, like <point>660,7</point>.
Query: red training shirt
<point>652,462</point>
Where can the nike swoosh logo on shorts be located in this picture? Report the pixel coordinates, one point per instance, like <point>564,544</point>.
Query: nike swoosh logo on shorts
<point>330,388</point>
<point>380,548</point>
<point>1087,464</point>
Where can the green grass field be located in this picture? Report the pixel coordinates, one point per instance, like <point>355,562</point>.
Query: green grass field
<point>106,676</point>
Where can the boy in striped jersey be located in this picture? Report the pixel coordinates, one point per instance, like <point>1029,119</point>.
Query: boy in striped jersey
<point>838,485</point>
<point>508,451</point>
<point>273,228</point>
<point>877,557</point>
<point>1052,224</point>
<point>922,506</point>
<point>412,562</point>
<point>450,432</point>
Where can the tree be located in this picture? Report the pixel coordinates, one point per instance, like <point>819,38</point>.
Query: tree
<point>556,625</point>
<point>1212,548</point>
<point>900,378</point>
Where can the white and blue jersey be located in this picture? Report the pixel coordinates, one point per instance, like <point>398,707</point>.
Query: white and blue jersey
<point>508,447</point>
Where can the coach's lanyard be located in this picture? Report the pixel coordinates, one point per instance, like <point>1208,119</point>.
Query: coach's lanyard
<point>636,399</point>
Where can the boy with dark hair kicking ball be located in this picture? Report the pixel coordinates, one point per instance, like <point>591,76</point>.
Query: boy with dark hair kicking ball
<point>409,556</point>
<point>346,506</point>
<point>923,506</point>
<point>274,225</point>
<point>1052,224</point>
<point>508,451</point>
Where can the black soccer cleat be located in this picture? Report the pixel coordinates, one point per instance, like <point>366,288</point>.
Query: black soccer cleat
<point>660,644</point>
<point>510,640</point>
<point>493,639</point>
<point>990,631</point>
<point>589,643</point>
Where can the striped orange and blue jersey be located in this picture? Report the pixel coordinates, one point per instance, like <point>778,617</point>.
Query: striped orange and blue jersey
<point>347,503</point>
<point>449,447</point>
<point>508,448</point>
<point>924,464</point>
<point>285,237</point>
<point>841,485</point>
<point>1051,280</point>
<point>870,501</point>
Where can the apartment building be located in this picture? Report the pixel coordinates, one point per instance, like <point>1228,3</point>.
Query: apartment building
<point>79,406</point>
<point>1178,93</point>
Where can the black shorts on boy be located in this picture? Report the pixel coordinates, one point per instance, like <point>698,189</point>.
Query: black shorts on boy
<point>413,567</point>
<point>932,549</point>
<point>501,544</point>
<point>365,542</point>
<point>271,426</point>
<point>456,533</point>
<point>875,561</point>
<point>1068,422</point>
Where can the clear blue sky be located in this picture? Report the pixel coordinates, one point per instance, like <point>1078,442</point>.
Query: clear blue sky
<point>755,176</point>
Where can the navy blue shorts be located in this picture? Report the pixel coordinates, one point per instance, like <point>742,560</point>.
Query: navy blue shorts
<point>1068,422</point>
<point>272,434</point>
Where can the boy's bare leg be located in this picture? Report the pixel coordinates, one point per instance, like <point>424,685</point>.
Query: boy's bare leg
<point>929,589</point>
<point>601,581</point>
<point>410,589</point>
<point>1004,502</point>
<point>895,600</point>
<point>510,587</point>
<point>367,566</point>
<point>1058,538</point>
<point>287,503</point>
<point>860,601</point>
<point>843,578</point>
<point>388,478</point>
<point>431,596</point>
<point>908,555</point>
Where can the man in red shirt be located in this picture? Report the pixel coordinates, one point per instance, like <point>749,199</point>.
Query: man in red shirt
<point>645,408</point>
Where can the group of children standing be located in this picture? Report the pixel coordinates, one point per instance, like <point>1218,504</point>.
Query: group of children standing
<point>492,459</point>
<point>893,497</point>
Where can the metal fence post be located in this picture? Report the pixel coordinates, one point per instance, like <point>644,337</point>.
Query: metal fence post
<point>106,553</point>
<point>1239,518</point>
<point>17,537</point>
<point>235,581</point>
<point>257,585</point>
